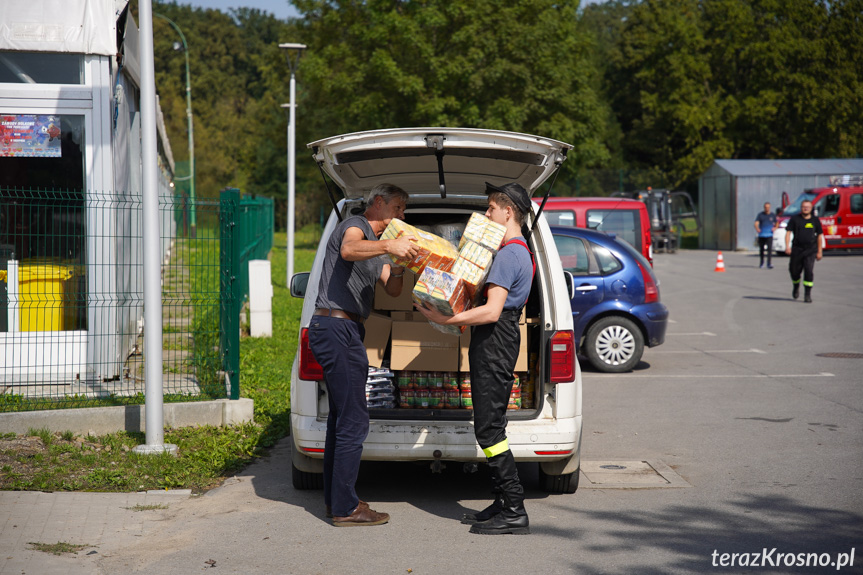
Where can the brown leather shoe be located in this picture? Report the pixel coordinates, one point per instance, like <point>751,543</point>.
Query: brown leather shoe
<point>329,512</point>
<point>362,516</point>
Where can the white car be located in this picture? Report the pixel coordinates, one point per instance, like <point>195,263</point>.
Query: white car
<point>444,170</point>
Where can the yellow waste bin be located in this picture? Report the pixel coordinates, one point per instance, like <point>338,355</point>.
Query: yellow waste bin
<point>44,291</point>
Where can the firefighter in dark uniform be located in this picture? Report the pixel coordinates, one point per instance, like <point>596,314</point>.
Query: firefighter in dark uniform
<point>493,352</point>
<point>806,248</point>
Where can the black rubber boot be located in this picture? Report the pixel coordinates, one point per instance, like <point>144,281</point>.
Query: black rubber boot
<point>795,291</point>
<point>486,514</point>
<point>511,520</point>
<point>512,517</point>
<point>807,295</point>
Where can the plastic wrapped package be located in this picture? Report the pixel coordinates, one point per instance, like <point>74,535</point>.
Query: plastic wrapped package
<point>483,231</point>
<point>451,232</point>
<point>445,292</point>
<point>433,251</point>
<point>380,390</point>
<point>472,266</point>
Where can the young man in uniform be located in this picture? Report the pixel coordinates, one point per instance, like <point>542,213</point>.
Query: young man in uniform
<point>351,269</point>
<point>764,224</point>
<point>805,249</point>
<point>493,352</point>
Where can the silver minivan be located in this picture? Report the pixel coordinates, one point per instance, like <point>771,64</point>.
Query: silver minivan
<point>444,170</point>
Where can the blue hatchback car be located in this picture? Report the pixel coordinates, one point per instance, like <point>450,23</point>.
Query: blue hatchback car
<point>615,298</point>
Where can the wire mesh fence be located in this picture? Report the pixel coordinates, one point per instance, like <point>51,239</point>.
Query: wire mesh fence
<point>71,300</point>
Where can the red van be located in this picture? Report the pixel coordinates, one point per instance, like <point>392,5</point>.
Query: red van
<point>627,219</point>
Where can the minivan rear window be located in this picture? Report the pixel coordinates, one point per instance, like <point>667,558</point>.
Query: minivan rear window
<point>624,224</point>
<point>560,217</point>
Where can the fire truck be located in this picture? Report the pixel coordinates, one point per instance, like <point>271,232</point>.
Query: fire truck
<point>839,206</point>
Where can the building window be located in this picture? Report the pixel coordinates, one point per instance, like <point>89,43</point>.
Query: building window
<point>41,68</point>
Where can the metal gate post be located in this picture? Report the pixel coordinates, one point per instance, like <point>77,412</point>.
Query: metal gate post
<point>229,284</point>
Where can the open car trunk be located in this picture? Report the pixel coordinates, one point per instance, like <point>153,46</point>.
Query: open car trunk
<point>420,373</point>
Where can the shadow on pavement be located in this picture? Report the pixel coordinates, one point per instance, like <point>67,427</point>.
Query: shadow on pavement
<point>382,482</point>
<point>751,524</point>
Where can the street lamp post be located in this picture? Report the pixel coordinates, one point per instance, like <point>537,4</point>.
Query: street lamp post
<point>293,51</point>
<point>191,177</point>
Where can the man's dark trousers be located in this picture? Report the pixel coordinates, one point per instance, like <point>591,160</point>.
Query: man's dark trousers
<point>493,353</point>
<point>765,246</point>
<point>803,261</point>
<point>338,346</point>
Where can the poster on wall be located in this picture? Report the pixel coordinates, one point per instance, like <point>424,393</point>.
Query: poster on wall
<point>29,136</point>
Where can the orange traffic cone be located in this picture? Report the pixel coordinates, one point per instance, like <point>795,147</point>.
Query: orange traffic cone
<point>720,263</point>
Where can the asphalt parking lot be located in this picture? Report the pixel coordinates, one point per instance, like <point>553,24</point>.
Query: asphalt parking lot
<point>743,433</point>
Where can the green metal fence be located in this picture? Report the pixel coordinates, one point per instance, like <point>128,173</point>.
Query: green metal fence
<point>71,297</point>
<point>246,234</point>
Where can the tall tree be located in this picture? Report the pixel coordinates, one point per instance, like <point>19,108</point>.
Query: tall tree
<point>669,104</point>
<point>500,64</point>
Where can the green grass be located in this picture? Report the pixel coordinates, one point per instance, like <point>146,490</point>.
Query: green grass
<point>153,507</point>
<point>206,455</point>
<point>58,548</point>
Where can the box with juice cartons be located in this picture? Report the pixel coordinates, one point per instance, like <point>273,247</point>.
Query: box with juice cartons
<point>433,251</point>
<point>444,291</point>
<point>483,231</point>
<point>472,266</point>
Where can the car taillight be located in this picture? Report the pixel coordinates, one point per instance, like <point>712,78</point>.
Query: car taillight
<point>651,292</point>
<point>562,357</point>
<point>310,369</point>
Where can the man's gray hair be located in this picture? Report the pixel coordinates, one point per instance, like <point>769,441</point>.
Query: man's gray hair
<point>388,192</point>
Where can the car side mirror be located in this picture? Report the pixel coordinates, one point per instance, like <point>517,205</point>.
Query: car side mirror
<point>299,284</point>
<point>570,284</point>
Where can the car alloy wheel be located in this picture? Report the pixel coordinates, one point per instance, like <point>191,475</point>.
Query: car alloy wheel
<point>614,344</point>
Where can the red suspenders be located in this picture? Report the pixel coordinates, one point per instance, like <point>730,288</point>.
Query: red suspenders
<point>532,261</point>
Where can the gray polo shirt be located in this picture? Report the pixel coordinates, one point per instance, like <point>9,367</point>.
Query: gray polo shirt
<point>349,286</point>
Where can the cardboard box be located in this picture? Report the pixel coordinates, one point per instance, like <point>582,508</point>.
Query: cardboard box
<point>407,316</point>
<point>419,346</point>
<point>464,347</point>
<point>386,302</point>
<point>434,251</point>
<point>442,290</point>
<point>378,329</point>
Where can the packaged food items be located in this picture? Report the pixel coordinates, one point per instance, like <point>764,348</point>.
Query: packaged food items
<point>407,398</point>
<point>380,390</point>
<point>465,382</point>
<point>443,291</point>
<point>435,380</point>
<point>380,393</point>
<point>453,399</point>
<point>514,400</point>
<point>436,398</point>
<point>422,399</point>
<point>421,379</point>
<point>405,380</point>
<point>466,400</point>
<point>450,381</point>
<point>516,382</point>
<point>433,251</point>
<point>483,231</point>
<point>472,266</point>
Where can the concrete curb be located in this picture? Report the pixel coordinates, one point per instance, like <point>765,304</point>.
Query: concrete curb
<point>104,420</point>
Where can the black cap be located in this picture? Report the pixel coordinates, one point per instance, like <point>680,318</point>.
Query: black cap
<point>514,192</point>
